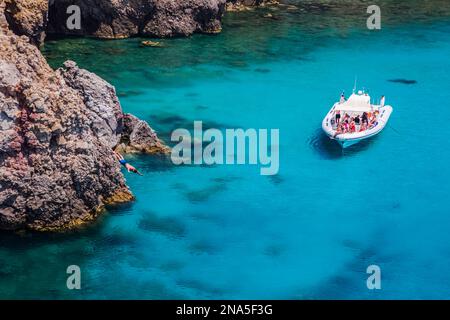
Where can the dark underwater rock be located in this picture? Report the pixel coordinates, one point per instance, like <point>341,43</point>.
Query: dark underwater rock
<point>403,81</point>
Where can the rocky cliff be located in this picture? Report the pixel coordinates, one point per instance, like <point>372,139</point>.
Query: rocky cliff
<point>154,18</point>
<point>27,18</point>
<point>57,131</point>
<point>112,19</point>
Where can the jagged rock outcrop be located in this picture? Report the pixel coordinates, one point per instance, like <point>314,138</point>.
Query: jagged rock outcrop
<point>124,132</point>
<point>139,137</point>
<point>155,18</point>
<point>57,167</point>
<point>114,19</point>
<point>103,106</point>
<point>182,18</point>
<point>27,17</point>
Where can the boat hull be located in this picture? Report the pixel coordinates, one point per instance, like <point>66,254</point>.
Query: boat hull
<point>349,139</point>
<point>346,144</point>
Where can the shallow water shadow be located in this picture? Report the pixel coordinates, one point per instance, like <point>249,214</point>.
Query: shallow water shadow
<point>200,287</point>
<point>403,81</point>
<point>217,185</point>
<point>262,70</point>
<point>274,250</point>
<point>276,179</point>
<point>128,93</point>
<point>324,146</point>
<point>344,283</point>
<point>203,247</point>
<point>167,123</point>
<point>170,226</point>
<point>202,195</point>
<point>201,107</point>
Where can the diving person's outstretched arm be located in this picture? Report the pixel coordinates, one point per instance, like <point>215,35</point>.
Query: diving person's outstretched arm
<point>127,166</point>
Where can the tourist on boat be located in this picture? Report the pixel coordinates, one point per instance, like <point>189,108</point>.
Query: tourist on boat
<point>352,127</point>
<point>382,100</point>
<point>347,117</point>
<point>372,120</point>
<point>363,127</point>
<point>357,123</point>
<point>124,162</point>
<point>342,100</point>
<point>364,119</point>
<point>346,126</point>
<point>338,117</point>
<point>333,124</point>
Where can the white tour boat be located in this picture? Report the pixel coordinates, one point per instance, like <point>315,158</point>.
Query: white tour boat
<point>350,121</point>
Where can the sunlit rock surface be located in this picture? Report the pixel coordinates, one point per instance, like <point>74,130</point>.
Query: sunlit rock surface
<point>57,134</point>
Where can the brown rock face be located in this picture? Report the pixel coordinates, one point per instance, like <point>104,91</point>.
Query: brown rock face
<point>57,131</point>
<point>27,17</point>
<point>156,18</point>
<point>53,168</point>
<point>103,106</point>
<point>182,18</point>
<point>139,137</point>
<point>112,19</point>
<point>124,132</point>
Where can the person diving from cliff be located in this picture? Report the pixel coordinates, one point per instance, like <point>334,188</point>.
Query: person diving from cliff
<point>124,162</point>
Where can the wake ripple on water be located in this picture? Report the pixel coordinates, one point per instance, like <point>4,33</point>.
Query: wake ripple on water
<point>323,146</point>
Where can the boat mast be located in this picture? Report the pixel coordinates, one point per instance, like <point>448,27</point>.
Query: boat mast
<point>354,87</point>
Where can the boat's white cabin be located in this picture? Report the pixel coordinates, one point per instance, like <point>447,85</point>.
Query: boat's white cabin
<point>356,105</point>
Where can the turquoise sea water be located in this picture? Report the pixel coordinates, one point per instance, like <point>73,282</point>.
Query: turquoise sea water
<point>227,232</point>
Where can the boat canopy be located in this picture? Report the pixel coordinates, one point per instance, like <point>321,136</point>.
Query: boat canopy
<point>356,103</point>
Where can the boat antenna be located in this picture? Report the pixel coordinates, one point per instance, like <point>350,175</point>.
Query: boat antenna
<point>354,87</point>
